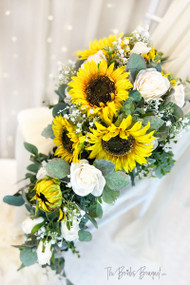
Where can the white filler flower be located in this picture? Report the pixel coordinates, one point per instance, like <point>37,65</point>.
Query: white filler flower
<point>72,234</point>
<point>86,179</point>
<point>151,84</point>
<point>44,256</point>
<point>28,224</point>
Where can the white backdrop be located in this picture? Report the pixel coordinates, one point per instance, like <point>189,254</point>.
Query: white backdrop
<point>36,34</point>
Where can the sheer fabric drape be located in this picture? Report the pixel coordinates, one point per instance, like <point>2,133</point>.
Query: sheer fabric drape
<point>35,35</point>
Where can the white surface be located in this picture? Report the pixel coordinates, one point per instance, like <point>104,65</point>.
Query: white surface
<point>170,249</point>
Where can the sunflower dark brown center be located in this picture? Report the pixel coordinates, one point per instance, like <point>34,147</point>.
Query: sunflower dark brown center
<point>118,146</point>
<point>99,90</point>
<point>67,143</point>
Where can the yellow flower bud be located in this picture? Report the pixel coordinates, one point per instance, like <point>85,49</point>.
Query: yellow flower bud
<point>48,194</point>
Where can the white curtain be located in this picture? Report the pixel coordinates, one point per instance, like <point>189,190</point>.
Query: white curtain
<point>36,34</point>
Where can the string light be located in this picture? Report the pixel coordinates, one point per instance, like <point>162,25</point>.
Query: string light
<point>49,40</point>
<point>50,18</point>
<point>15,55</point>
<point>115,31</point>
<point>5,75</point>
<point>7,13</point>
<point>110,5</point>
<point>68,27</point>
<point>64,49</point>
<point>14,39</point>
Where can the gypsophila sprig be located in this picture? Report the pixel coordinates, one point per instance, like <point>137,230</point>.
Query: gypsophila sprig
<point>117,114</point>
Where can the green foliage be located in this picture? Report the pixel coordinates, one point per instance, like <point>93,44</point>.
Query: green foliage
<point>68,282</point>
<point>28,256</point>
<point>110,196</point>
<point>84,235</point>
<point>31,148</point>
<point>117,180</point>
<point>58,168</point>
<point>106,166</point>
<point>48,132</point>
<point>61,91</point>
<point>37,227</point>
<point>95,210</point>
<point>33,167</point>
<point>155,122</point>
<point>135,95</point>
<point>57,264</point>
<point>163,162</point>
<point>15,200</point>
<point>59,109</point>
<point>93,221</point>
<point>135,64</point>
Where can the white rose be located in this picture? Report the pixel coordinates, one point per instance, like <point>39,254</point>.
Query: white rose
<point>151,84</point>
<point>97,57</point>
<point>28,224</point>
<point>178,97</point>
<point>72,234</point>
<point>140,48</point>
<point>42,172</point>
<point>86,179</point>
<point>44,257</point>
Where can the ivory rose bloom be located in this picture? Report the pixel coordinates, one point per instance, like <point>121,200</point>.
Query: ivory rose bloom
<point>151,84</point>
<point>86,179</point>
<point>178,97</point>
<point>140,48</point>
<point>28,224</point>
<point>97,57</point>
<point>44,256</point>
<point>72,234</point>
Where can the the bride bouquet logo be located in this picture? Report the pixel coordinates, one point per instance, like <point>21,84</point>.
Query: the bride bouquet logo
<point>117,113</point>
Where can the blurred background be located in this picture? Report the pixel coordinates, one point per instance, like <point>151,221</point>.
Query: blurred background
<point>35,35</point>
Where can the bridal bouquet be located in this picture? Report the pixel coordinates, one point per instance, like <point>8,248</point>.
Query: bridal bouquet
<point>117,114</point>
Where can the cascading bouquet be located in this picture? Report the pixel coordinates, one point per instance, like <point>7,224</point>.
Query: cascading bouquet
<point>117,113</point>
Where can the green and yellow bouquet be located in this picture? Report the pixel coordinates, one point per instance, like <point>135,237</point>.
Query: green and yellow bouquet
<point>117,113</point>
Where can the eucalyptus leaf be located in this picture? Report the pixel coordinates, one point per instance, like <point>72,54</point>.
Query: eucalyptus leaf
<point>95,210</point>
<point>28,256</point>
<point>155,123</point>
<point>163,133</point>
<point>31,148</point>
<point>117,180</point>
<point>68,282</point>
<point>110,196</point>
<point>106,166</point>
<point>61,91</point>
<point>93,221</point>
<point>135,95</point>
<point>178,113</point>
<point>135,64</point>
<point>33,167</point>
<point>59,109</point>
<point>84,235</point>
<point>14,200</point>
<point>48,132</point>
<point>58,168</point>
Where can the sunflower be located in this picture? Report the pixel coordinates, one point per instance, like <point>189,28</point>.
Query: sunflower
<point>68,141</point>
<point>122,145</point>
<point>48,194</point>
<point>99,87</point>
<point>96,45</point>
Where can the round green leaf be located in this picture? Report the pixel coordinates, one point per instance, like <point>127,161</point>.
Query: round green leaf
<point>28,256</point>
